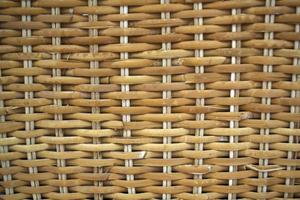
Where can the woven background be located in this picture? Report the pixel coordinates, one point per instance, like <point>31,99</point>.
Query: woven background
<point>149,99</point>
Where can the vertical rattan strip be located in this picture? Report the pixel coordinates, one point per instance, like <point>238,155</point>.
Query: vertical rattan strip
<point>29,125</point>
<point>126,102</point>
<point>234,94</point>
<point>5,164</point>
<point>266,100</point>
<point>4,148</point>
<point>166,95</point>
<point>199,101</point>
<point>7,177</point>
<point>93,32</point>
<point>295,94</point>
<point>56,72</point>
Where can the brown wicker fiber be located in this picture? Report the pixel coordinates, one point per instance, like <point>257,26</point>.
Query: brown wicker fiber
<point>149,99</point>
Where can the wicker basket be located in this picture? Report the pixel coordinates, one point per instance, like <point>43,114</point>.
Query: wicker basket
<point>149,99</point>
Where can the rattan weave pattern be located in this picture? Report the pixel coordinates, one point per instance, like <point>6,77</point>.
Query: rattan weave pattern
<point>149,99</point>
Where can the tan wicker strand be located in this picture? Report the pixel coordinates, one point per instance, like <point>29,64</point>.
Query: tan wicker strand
<point>57,87</point>
<point>149,99</point>
<point>199,101</point>
<point>29,125</point>
<point>290,180</point>
<point>95,96</point>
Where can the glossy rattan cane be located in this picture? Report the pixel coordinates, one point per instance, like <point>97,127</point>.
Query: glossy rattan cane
<point>149,99</point>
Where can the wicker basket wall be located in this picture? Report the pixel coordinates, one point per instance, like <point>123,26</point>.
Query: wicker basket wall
<point>149,99</point>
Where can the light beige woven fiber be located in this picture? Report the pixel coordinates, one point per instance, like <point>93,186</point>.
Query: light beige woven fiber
<point>149,99</point>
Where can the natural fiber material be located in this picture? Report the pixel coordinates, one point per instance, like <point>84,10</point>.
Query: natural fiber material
<point>149,99</point>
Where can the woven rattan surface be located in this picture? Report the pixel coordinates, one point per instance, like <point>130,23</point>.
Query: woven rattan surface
<point>149,99</point>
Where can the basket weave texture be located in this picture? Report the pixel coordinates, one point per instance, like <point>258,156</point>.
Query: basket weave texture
<point>149,99</point>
